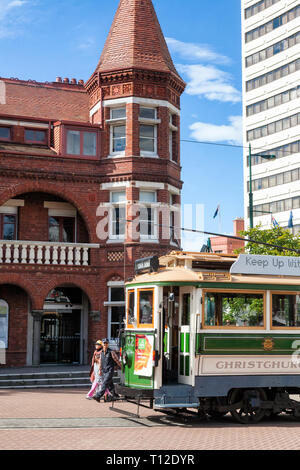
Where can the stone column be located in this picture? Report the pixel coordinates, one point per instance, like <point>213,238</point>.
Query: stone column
<point>36,343</point>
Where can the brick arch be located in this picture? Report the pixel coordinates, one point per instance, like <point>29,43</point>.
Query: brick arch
<point>114,277</point>
<point>13,279</point>
<point>53,188</point>
<point>81,283</point>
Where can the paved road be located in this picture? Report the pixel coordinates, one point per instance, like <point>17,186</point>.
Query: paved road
<point>63,420</point>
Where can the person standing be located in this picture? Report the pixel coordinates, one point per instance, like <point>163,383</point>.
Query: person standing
<point>108,360</point>
<point>95,370</point>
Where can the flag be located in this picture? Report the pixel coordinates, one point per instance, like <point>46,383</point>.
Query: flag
<point>290,224</point>
<point>217,211</point>
<point>274,222</point>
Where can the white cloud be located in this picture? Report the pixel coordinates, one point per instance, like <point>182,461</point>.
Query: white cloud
<point>231,133</point>
<point>189,50</point>
<point>8,21</point>
<point>208,81</point>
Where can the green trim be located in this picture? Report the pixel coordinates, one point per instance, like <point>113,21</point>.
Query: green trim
<point>245,344</point>
<point>222,285</point>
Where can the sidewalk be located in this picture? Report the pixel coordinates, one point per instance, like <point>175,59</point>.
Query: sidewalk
<point>66,420</point>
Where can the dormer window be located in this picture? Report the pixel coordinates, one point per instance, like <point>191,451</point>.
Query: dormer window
<point>81,143</point>
<point>35,136</point>
<point>5,133</point>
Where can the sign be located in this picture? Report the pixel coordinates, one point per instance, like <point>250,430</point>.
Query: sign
<point>144,346</point>
<point>150,264</point>
<point>267,265</point>
<point>249,365</point>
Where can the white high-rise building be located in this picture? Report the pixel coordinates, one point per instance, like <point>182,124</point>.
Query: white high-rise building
<point>271,92</point>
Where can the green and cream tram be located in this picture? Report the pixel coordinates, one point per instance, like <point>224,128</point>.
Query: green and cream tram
<point>218,333</point>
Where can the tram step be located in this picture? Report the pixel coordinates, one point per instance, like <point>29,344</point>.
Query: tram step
<point>176,405</point>
<point>175,396</point>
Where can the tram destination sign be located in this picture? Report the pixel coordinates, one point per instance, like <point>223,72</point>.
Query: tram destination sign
<point>266,265</point>
<point>150,264</point>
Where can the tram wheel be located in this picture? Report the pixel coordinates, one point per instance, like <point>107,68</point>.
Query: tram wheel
<point>246,414</point>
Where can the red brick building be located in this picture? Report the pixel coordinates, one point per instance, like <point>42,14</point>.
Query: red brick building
<point>228,245</point>
<point>76,159</point>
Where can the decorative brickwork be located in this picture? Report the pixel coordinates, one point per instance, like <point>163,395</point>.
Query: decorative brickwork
<point>52,182</point>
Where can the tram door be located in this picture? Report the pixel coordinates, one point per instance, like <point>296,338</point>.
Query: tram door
<point>185,336</point>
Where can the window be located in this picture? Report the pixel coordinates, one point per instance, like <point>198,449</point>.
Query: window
<point>130,308</point>
<point>225,309</point>
<point>37,136</point>
<point>89,143</point>
<point>147,113</point>
<point>4,317</point>
<point>116,311</point>
<point>145,308</point>
<point>118,139</point>
<point>8,226</point>
<point>5,133</point>
<point>148,228</point>
<point>118,214</point>
<point>81,143</point>
<point>62,229</point>
<point>275,74</point>
<point>273,24</point>
<point>148,139</point>
<point>73,143</point>
<point>186,310</point>
<point>118,113</point>
<point>286,310</point>
<point>148,132</point>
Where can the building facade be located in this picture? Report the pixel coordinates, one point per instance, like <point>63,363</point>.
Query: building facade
<point>271,91</point>
<point>89,177</point>
<point>228,245</point>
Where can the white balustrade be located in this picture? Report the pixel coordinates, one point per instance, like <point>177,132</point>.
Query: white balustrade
<point>45,253</point>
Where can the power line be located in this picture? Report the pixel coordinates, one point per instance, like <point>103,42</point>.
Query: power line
<point>232,237</point>
<point>235,146</point>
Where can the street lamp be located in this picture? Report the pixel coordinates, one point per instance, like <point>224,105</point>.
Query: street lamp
<point>266,157</point>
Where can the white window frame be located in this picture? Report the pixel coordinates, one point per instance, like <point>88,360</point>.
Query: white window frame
<point>114,205</point>
<point>116,122</point>
<point>111,304</point>
<point>153,206</point>
<point>149,122</point>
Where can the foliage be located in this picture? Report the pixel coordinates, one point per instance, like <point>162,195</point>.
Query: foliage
<point>275,236</point>
<point>241,309</point>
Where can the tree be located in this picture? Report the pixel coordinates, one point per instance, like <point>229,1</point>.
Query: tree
<point>275,236</point>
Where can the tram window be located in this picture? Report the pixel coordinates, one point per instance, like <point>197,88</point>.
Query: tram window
<point>130,308</point>
<point>145,307</point>
<point>186,309</point>
<point>234,309</point>
<point>286,310</point>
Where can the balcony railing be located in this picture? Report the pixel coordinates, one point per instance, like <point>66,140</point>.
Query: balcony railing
<point>45,253</point>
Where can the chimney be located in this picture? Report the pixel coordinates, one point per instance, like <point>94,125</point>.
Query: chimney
<point>238,226</point>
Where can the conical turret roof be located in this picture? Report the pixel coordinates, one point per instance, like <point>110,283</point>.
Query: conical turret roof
<point>136,40</point>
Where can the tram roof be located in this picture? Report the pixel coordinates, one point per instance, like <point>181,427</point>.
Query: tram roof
<point>197,268</point>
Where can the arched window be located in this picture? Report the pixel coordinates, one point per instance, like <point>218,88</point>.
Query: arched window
<point>4,311</point>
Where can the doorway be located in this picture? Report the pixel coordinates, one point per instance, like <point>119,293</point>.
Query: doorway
<point>171,331</point>
<point>61,327</point>
<point>60,337</point>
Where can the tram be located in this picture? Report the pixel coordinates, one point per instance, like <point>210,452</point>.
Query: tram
<point>215,333</point>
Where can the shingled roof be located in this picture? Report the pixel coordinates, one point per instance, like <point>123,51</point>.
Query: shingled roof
<point>136,40</point>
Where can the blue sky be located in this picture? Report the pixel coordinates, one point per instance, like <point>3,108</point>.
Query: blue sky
<point>42,39</point>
